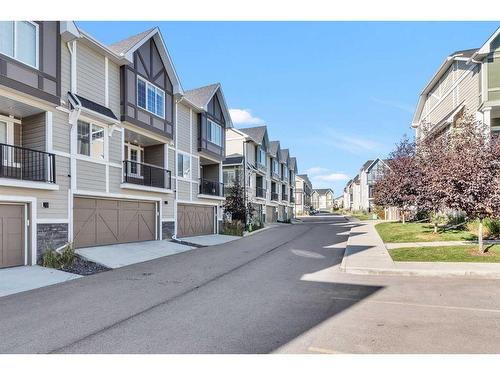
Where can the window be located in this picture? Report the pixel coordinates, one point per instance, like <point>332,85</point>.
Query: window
<point>150,97</point>
<point>275,166</point>
<point>285,172</point>
<point>135,156</point>
<point>261,156</point>
<point>90,140</point>
<point>19,40</point>
<point>214,133</point>
<point>183,165</point>
<point>229,177</point>
<point>3,132</point>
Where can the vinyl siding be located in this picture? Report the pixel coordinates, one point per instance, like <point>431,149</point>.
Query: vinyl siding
<point>90,74</point>
<point>114,88</point>
<point>171,161</point>
<point>154,155</point>
<point>183,191</point>
<point>60,131</point>
<point>33,132</point>
<point>183,140</point>
<point>90,176</point>
<point>196,168</point>
<point>58,200</point>
<point>65,71</point>
<point>115,147</point>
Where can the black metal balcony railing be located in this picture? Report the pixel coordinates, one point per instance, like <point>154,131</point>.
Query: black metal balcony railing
<point>260,192</point>
<point>146,175</point>
<point>208,187</point>
<point>27,164</point>
<point>274,196</point>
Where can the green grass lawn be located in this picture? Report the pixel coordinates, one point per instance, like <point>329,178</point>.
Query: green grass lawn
<point>419,232</point>
<point>446,254</point>
<point>361,216</point>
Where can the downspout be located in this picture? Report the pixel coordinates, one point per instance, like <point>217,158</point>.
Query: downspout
<point>245,180</point>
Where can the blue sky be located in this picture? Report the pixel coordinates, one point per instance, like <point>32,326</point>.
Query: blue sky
<point>335,93</point>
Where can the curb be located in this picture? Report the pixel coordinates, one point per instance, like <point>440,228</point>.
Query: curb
<point>426,273</point>
<point>181,242</point>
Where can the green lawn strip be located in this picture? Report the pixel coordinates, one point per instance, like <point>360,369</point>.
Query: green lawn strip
<point>420,232</point>
<point>362,216</point>
<point>464,253</point>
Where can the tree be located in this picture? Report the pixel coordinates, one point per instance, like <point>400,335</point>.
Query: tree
<point>471,169</point>
<point>235,204</point>
<point>397,187</point>
<point>431,184</point>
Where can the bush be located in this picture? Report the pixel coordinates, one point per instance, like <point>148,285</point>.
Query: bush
<point>493,227</point>
<point>234,228</point>
<point>473,227</point>
<point>455,219</point>
<point>67,256</point>
<point>51,259</point>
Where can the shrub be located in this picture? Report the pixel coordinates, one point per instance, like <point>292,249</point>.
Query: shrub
<point>67,256</point>
<point>234,228</point>
<point>493,227</point>
<point>51,259</point>
<point>473,227</point>
<point>456,218</point>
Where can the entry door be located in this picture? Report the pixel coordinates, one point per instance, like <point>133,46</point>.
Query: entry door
<point>12,244</point>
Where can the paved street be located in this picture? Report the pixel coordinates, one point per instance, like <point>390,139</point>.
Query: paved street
<point>276,291</point>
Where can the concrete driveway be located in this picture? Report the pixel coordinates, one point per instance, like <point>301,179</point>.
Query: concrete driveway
<point>20,279</point>
<point>209,239</point>
<point>116,256</point>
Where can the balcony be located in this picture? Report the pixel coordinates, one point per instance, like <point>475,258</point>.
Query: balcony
<point>260,192</point>
<point>208,187</point>
<point>292,199</point>
<point>146,175</point>
<point>274,196</point>
<point>26,164</point>
<point>284,197</point>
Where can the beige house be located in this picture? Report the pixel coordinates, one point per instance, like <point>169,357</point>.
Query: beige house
<point>323,199</point>
<point>101,145</point>
<point>303,194</point>
<point>467,81</point>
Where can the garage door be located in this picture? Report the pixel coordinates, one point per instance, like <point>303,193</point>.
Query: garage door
<point>11,235</point>
<point>106,221</point>
<point>194,220</point>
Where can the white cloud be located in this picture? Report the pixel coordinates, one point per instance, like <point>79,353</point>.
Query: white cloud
<point>313,171</point>
<point>331,177</point>
<point>394,104</point>
<point>244,117</point>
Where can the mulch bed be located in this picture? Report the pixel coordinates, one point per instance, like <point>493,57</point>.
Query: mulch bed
<point>84,267</point>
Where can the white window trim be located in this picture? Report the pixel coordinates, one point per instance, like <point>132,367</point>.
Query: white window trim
<point>190,174</point>
<point>37,40</point>
<point>209,135</point>
<point>139,161</point>
<point>9,132</point>
<point>105,142</point>
<point>156,88</point>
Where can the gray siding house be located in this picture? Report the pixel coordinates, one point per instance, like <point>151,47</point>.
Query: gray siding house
<point>100,144</point>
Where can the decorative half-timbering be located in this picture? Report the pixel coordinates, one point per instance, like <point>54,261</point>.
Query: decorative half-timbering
<point>147,91</point>
<point>30,58</point>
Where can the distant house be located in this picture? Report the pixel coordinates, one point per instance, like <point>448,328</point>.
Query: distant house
<point>323,199</point>
<point>303,193</point>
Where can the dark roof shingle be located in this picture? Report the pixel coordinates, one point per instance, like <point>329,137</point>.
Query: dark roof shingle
<point>257,133</point>
<point>201,95</point>
<point>123,46</point>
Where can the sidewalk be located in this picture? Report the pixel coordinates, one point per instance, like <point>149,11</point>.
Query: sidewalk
<point>366,254</point>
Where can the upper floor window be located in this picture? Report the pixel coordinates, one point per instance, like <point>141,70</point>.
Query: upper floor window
<point>285,172</point>
<point>261,158</point>
<point>275,166</point>
<point>90,140</point>
<point>150,97</point>
<point>183,165</point>
<point>19,40</point>
<point>214,133</point>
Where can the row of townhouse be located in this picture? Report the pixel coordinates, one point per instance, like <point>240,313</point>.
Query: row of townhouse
<point>468,81</point>
<point>303,196</point>
<point>358,192</point>
<point>265,170</point>
<point>100,144</point>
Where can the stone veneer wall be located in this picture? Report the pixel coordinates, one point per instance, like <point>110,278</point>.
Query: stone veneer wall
<point>50,236</point>
<point>167,229</point>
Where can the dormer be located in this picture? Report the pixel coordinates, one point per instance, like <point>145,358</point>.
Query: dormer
<point>148,82</point>
<point>213,119</point>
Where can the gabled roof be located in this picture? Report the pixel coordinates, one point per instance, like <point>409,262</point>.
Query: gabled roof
<point>293,164</point>
<point>356,179</point>
<point>257,133</point>
<point>323,191</point>
<point>464,55</point>
<point>201,96</point>
<point>486,47</point>
<point>274,147</point>
<point>123,46</point>
<point>366,165</point>
<point>126,48</point>
<point>305,177</point>
<point>233,159</point>
<point>284,156</point>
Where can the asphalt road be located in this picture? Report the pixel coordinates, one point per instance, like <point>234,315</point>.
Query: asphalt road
<point>277,291</point>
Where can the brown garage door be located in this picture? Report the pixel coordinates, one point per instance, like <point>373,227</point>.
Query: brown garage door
<point>194,220</point>
<point>106,221</point>
<point>11,235</point>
